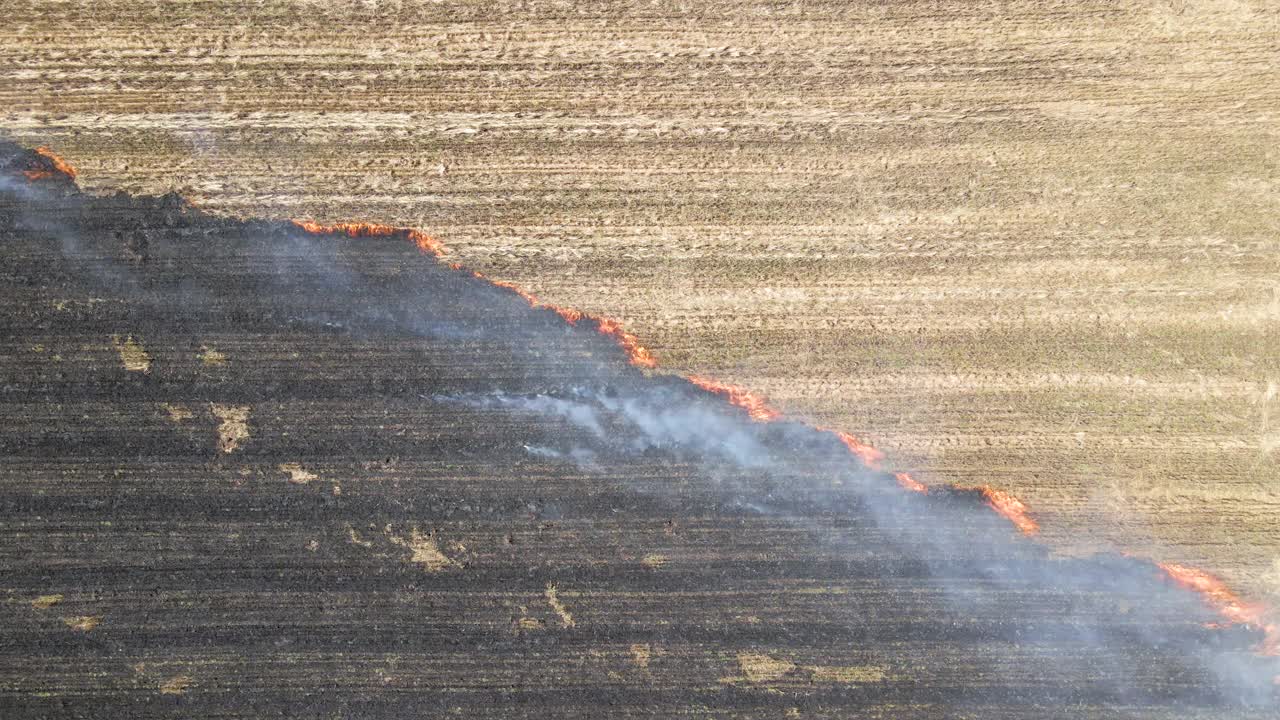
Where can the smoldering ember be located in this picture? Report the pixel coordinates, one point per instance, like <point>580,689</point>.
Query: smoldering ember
<point>261,469</point>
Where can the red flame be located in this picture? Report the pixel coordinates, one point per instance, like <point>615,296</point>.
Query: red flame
<point>909,483</point>
<point>754,404</point>
<point>1218,596</point>
<point>1012,508</point>
<point>1002,502</point>
<point>425,242</point>
<point>637,354</point>
<point>869,456</point>
<point>570,315</point>
<point>758,410</point>
<point>56,165</point>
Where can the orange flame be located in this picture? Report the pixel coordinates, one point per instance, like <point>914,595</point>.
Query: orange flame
<point>754,404</point>
<point>425,242</point>
<point>57,163</point>
<point>1002,502</point>
<point>1218,596</point>
<point>910,483</point>
<point>758,410</point>
<point>637,354</point>
<point>1012,508</point>
<point>570,315</point>
<point>869,456</point>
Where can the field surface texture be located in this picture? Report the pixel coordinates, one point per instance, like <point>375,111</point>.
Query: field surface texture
<point>255,470</point>
<point>1027,245</point>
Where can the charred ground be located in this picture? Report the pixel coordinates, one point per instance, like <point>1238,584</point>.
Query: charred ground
<point>251,470</point>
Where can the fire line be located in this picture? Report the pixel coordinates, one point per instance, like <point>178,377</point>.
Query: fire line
<point>753,404</point>
<point>1213,590</point>
<point>51,166</point>
<point>1215,593</point>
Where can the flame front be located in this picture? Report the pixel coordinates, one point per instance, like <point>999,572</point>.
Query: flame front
<point>637,354</point>
<point>754,404</point>
<point>425,242</point>
<point>909,483</point>
<point>869,456</point>
<point>1001,501</point>
<point>55,165</point>
<point>1213,590</point>
<point>1218,596</point>
<point>1012,508</point>
<point>758,410</point>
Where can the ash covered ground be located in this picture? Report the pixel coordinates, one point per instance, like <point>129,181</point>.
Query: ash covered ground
<point>251,470</point>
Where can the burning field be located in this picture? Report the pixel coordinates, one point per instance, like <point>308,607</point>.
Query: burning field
<point>1020,243</point>
<point>258,468</point>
